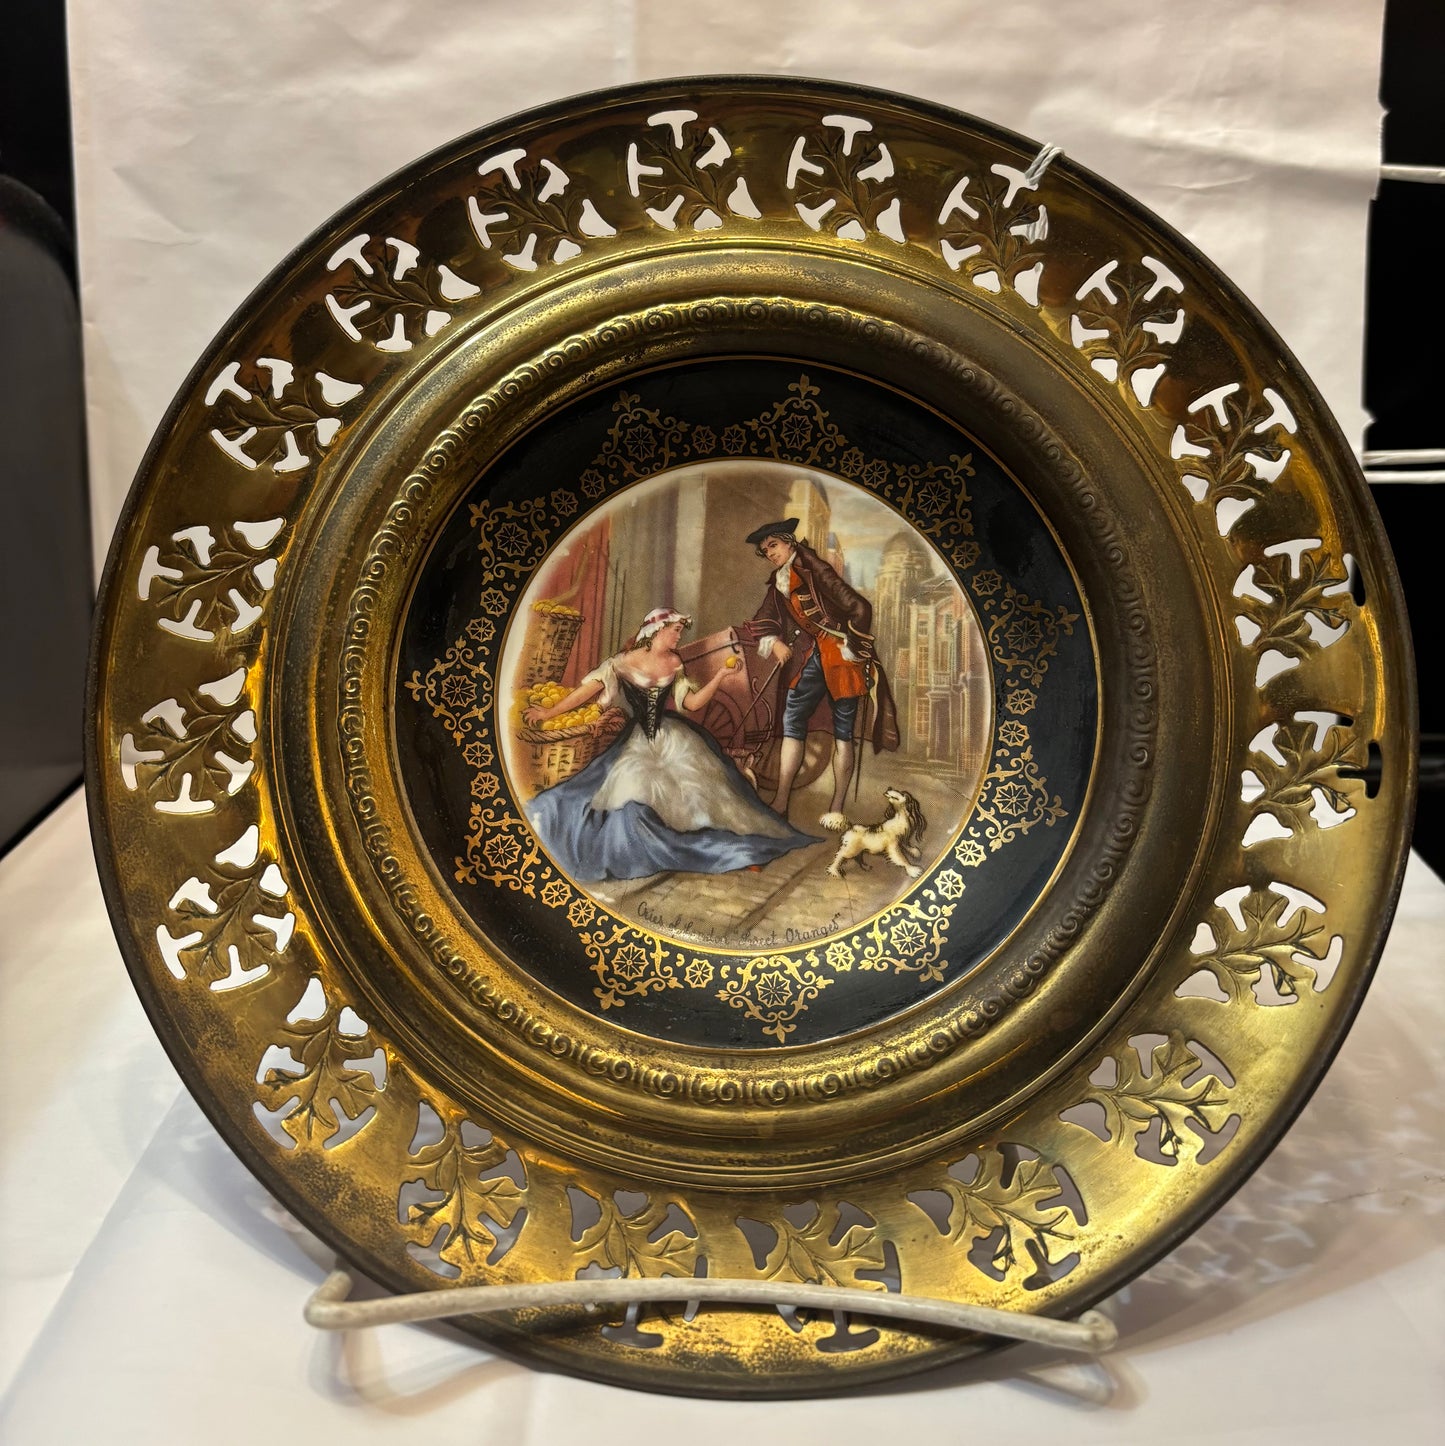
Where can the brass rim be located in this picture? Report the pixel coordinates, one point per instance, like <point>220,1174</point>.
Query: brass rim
<point>1032,1129</point>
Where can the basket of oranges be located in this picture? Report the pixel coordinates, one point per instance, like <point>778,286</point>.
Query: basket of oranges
<point>551,632</point>
<point>566,744</point>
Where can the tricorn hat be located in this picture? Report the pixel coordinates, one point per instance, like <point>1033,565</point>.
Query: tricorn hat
<point>786,528</point>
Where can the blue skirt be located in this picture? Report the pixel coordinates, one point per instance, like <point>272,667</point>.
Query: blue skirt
<point>631,840</point>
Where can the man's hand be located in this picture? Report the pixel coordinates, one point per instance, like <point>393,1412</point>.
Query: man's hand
<point>782,652</point>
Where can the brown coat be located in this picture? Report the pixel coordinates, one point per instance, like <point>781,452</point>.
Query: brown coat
<point>831,605</point>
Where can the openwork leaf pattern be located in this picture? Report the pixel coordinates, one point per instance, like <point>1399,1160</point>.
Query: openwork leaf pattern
<point>810,1254</point>
<point>1137,1098</point>
<point>1007,237</point>
<point>1289,787</point>
<point>234,926</point>
<point>624,1242</point>
<point>327,1079</point>
<point>262,421</point>
<point>703,188</point>
<point>206,584</point>
<point>1128,340</point>
<point>1225,468</point>
<point>838,180</point>
<point>1017,1213</point>
<point>474,1193</point>
<point>1240,955</point>
<point>1283,616</point>
<point>383,297</point>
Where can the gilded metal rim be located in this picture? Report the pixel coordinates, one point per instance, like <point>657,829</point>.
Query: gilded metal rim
<point>1033,1131</point>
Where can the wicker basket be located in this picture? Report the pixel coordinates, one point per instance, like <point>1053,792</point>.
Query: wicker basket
<point>549,644</point>
<point>555,754</point>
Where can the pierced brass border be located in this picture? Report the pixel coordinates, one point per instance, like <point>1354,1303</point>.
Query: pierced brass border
<point>1132,349</point>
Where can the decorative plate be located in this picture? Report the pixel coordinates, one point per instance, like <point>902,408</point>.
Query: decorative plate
<point>750,678</point>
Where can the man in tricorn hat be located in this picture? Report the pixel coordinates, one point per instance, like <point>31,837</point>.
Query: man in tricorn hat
<point>820,632</point>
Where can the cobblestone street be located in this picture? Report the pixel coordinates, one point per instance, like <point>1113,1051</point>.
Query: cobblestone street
<point>794,898</point>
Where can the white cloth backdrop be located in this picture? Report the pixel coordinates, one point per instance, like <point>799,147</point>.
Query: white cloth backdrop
<point>148,1290</point>
<point>212,137</point>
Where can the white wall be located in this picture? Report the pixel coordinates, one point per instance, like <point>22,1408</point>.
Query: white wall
<point>211,138</point>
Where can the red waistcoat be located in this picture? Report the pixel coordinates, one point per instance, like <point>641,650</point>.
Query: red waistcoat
<point>844,679</point>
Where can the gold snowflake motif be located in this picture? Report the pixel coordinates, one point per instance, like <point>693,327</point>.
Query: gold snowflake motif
<point>458,692</point>
<point>704,440</point>
<point>970,853</point>
<point>797,432</point>
<point>630,961</point>
<point>949,884</point>
<point>1024,636</point>
<point>479,755</point>
<point>1021,700</point>
<point>907,938</point>
<point>494,600</point>
<point>698,974</point>
<point>485,785</point>
<point>640,443</point>
<point>581,913</point>
<point>987,583</point>
<point>774,989</point>
<point>502,851</point>
<point>511,539</point>
<point>1012,799</point>
<point>936,497</point>
<point>965,555</point>
<point>555,894</point>
<point>840,956</point>
<point>1014,733</point>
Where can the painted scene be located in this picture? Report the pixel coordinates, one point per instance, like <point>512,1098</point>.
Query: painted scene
<point>748,705</point>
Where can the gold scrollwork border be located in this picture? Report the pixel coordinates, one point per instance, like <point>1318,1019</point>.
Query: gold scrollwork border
<point>912,936</point>
<point>1138,720</point>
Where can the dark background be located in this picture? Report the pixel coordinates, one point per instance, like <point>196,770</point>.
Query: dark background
<point>45,582</point>
<point>885,425</point>
<point>1404,369</point>
<point>45,587</point>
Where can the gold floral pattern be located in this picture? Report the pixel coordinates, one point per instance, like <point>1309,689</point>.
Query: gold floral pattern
<point>1015,799</point>
<point>274,420</point>
<point>774,989</point>
<point>1022,634</point>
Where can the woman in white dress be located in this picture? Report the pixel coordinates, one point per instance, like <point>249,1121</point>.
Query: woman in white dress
<point>664,797</point>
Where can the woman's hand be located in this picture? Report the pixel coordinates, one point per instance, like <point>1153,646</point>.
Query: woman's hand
<point>579,697</point>
<point>699,698</point>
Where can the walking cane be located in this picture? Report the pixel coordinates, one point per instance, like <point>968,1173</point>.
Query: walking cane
<point>870,706</point>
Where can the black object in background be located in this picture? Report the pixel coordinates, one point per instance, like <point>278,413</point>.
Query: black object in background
<point>45,576</point>
<point>1404,370</point>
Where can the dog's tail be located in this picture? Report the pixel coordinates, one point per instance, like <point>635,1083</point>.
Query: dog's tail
<point>834,822</point>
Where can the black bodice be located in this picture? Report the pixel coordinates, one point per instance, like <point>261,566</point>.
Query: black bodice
<point>647,704</point>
